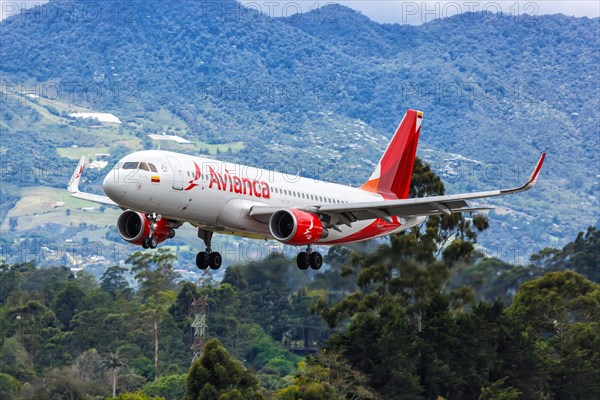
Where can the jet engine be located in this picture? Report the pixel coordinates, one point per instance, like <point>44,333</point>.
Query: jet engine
<point>134,227</point>
<point>296,227</point>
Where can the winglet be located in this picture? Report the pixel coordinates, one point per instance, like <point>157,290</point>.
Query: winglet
<point>74,182</point>
<point>532,178</point>
<point>536,171</point>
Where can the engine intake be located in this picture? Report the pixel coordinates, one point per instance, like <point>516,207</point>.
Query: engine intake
<point>134,226</point>
<point>296,227</point>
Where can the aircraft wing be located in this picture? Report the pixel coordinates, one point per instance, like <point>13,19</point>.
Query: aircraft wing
<point>73,187</point>
<point>336,214</point>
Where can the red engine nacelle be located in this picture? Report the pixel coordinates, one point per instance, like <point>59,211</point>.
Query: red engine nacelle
<point>134,227</point>
<point>296,227</point>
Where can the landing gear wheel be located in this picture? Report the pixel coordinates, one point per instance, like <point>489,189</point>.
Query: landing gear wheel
<point>145,243</point>
<point>152,242</point>
<point>302,261</point>
<point>202,260</point>
<point>316,260</point>
<point>214,260</point>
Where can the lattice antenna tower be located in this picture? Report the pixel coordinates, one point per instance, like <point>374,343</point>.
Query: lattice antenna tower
<point>199,311</point>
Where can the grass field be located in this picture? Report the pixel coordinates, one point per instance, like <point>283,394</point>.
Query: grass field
<point>212,148</point>
<point>75,153</point>
<point>36,207</point>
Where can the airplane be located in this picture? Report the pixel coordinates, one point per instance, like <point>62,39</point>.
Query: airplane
<point>159,191</point>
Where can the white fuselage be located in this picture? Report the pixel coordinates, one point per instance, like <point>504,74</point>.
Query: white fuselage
<point>217,196</point>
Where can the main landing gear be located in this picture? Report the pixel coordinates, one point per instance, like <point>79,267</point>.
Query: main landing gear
<point>309,258</point>
<point>207,258</point>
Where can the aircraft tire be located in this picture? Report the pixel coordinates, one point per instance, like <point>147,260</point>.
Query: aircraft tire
<point>152,242</point>
<point>302,260</point>
<point>215,260</point>
<point>316,260</point>
<point>202,260</point>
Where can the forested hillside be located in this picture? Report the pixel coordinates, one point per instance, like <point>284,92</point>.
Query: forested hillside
<point>390,324</point>
<point>328,87</point>
<point>410,319</point>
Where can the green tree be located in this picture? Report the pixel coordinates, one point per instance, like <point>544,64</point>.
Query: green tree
<point>563,310</point>
<point>170,387</point>
<point>216,375</point>
<point>63,385</point>
<point>33,323</point>
<point>136,396</point>
<point>557,300</point>
<point>581,255</point>
<point>67,301</point>
<point>15,361</point>
<point>496,391</point>
<point>88,366</point>
<point>113,362</point>
<point>154,271</point>
<point>9,387</point>
<point>113,280</point>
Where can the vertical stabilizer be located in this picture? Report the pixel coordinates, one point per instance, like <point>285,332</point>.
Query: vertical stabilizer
<point>392,175</point>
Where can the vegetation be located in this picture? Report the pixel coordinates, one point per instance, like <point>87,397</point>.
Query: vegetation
<point>388,327</point>
<point>419,317</point>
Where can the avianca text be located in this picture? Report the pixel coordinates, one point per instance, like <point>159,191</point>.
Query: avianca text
<point>235,184</point>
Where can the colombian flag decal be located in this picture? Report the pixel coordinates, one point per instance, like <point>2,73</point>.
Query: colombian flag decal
<point>155,179</point>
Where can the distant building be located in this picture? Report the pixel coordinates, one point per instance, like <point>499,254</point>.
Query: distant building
<point>102,117</point>
<point>172,138</point>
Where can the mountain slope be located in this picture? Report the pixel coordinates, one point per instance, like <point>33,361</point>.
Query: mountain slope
<point>329,87</point>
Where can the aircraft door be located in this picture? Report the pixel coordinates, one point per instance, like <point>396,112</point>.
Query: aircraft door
<point>177,173</point>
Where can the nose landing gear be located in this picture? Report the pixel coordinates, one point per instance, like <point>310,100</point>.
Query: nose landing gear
<point>309,258</point>
<point>208,258</point>
<point>151,241</point>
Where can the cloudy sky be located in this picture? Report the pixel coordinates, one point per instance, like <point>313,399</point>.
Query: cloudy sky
<point>416,12</point>
<point>412,12</point>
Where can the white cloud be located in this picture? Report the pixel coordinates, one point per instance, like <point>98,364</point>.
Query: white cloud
<point>417,12</point>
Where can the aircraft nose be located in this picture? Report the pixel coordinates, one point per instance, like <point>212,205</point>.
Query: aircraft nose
<point>110,186</point>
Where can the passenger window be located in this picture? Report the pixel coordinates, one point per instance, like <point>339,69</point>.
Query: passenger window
<point>130,165</point>
<point>144,166</point>
<point>152,167</point>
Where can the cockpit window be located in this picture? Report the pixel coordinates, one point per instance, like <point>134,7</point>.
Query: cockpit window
<point>152,167</point>
<point>144,166</point>
<point>130,165</point>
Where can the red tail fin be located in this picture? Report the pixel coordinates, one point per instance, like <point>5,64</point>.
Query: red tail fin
<point>391,178</point>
